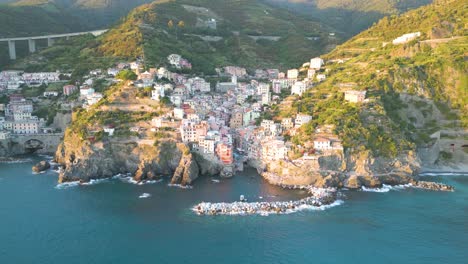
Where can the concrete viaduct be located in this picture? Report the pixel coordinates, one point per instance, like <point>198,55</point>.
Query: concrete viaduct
<point>50,40</point>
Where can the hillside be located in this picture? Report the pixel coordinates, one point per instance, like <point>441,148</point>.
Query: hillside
<point>248,33</point>
<point>349,16</point>
<point>17,21</point>
<point>414,89</point>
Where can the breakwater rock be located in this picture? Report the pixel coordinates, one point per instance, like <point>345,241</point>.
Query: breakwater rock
<point>434,186</point>
<point>318,199</point>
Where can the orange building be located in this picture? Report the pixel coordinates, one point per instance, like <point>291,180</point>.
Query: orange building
<point>224,152</point>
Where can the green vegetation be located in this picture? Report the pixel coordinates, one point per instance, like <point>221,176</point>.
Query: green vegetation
<point>126,75</point>
<point>146,32</point>
<point>350,16</point>
<point>388,73</point>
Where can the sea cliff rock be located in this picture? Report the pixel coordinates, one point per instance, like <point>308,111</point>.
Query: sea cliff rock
<point>187,171</point>
<point>338,169</point>
<point>83,160</point>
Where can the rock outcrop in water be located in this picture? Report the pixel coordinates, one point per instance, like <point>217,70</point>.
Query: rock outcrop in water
<point>41,166</point>
<point>84,160</point>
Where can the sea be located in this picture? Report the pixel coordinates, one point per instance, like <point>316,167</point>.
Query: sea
<point>118,221</point>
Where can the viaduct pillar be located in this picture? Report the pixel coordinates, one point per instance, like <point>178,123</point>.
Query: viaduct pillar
<point>12,49</point>
<point>32,45</point>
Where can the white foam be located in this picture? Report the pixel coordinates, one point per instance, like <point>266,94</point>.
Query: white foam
<point>127,178</point>
<point>435,174</point>
<point>46,156</point>
<point>16,161</point>
<point>215,180</point>
<point>95,181</point>
<point>180,186</point>
<point>386,188</point>
<point>144,195</point>
<point>67,185</point>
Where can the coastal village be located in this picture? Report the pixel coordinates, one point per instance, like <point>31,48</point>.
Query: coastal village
<point>222,121</point>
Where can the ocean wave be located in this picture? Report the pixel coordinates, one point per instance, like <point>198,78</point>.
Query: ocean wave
<point>67,185</point>
<point>15,161</point>
<point>127,178</point>
<point>386,188</point>
<point>95,181</point>
<point>435,174</point>
<point>180,186</point>
<point>46,156</point>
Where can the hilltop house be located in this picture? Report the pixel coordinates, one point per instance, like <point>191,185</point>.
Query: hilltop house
<point>406,38</point>
<point>316,63</point>
<point>355,96</point>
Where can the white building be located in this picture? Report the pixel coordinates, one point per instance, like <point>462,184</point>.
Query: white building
<point>207,145</point>
<point>50,94</point>
<point>293,74</point>
<point>321,77</point>
<point>158,92</point>
<point>109,130</point>
<point>316,63</point>
<point>266,98</point>
<point>287,123</point>
<point>263,88</point>
<point>179,113</point>
<point>4,135</point>
<point>274,150</point>
<point>86,91</point>
<point>94,98</point>
<point>302,119</point>
<point>406,38</point>
<point>322,143</point>
<point>174,58</point>
<point>26,127</point>
<point>298,88</point>
<point>310,74</point>
<point>355,96</point>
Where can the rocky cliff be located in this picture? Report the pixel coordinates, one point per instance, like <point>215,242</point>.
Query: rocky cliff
<point>338,169</point>
<point>83,160</point>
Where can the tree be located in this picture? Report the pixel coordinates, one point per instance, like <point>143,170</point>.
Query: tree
<point>170,24</point>
<point>181,24</point>
<point>126,75</point>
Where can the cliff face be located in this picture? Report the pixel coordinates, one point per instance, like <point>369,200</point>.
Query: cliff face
<point>342,170</point>
<point>83,161</point>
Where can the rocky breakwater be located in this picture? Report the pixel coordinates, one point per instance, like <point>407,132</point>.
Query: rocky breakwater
<point>83,160</point>
<point>318,199</point>
<point>433,186</point>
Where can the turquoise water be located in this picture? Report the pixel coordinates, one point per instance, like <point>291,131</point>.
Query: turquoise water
<point>108,223</point>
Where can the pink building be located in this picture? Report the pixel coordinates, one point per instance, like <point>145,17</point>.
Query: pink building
<point>69,89</point>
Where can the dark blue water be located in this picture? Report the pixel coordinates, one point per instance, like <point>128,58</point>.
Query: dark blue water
<point>108,223</point>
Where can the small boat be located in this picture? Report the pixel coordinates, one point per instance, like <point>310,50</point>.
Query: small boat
<point>242,198</point>
<point>144,195</point>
